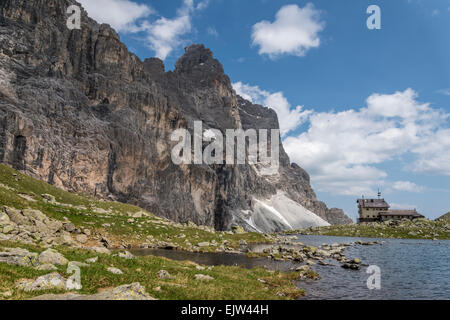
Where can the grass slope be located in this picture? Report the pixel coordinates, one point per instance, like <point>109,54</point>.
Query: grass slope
<point>229,282</point>
<point>20,191</point>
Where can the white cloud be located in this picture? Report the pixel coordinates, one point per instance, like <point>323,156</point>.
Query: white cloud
<point>163,34</point>
<point>212,32</point>
<point>399,104</point>
<point>433,153</point>
<point>406,186</point>
<point>294,31</point>
<point>202,5</point>
<point>122,15</point>
<point>341,150</point>
<point>289,118</point>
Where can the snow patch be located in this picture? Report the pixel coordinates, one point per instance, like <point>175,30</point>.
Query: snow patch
<point>277,214</point>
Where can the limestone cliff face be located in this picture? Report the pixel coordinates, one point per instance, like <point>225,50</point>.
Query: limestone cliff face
<point>80,111</point>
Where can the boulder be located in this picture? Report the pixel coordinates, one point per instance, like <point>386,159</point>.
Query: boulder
<point>238,229</point>
<point>203,244</point>
<point>92,260</point>
<point>46,267</point>
<point>52,281</point>
<point>65,239</point>
<point>126,292</point>
<point>82,238</point>
<point>53,257</point>
<point>163,274</point>
<point>352,266</point>
<point>4,218</point>
<point>77,264</point>
<point>19,257</point>
<point>48,198</point>
<point>114,270</point>
<point>101,250</point>
<point>8,228</point>
<point>16,216</point>
<point>126,255</point>
<point>202,277</point>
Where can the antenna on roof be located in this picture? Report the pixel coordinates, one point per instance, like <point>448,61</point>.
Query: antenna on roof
<point>379,194</point>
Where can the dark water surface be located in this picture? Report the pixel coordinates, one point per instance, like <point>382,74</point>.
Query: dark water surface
<point>410,269</point>
<point>217,259</point>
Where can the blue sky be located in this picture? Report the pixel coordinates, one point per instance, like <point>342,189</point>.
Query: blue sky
<point>361,109</point>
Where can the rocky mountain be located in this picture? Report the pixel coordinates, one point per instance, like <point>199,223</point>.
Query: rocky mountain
<point>79,111</point>
<point>444,217</point>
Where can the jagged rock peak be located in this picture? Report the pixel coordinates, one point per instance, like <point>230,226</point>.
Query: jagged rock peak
<point>154,66</point>
<point>197,59</point>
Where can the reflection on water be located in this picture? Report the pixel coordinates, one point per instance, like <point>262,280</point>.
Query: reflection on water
<point>410,269</point>
<point>217,259</point>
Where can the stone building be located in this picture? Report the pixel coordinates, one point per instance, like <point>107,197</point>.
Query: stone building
<point>377,210</point>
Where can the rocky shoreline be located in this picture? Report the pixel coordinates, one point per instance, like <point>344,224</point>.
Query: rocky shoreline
<point>391,229</point>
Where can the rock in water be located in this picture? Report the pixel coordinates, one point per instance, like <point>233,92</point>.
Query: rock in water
<point>77,103</point>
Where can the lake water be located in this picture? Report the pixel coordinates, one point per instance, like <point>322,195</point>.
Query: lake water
<point>410,269</point>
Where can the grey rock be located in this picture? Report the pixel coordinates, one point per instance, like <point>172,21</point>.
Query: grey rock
<point>69,227</point>
<point>79,104</point>
<point>126,255</point>
<point>65,239</point>
<point>202,277</point>
<point>101,250</point>
<point>52,256</point>
<point>92,260</point>
<point>114,270</point>
<point>46,267</point>
<point>163,274</point>
<point>203,244</point>
<point>49,198</point>
<point>82,238</point>
<point>6,294</point>
<point>19,257</point>
<point>52,281</point>
<point>352,266</point>
<point>126,292</point>
<point>77,264</point>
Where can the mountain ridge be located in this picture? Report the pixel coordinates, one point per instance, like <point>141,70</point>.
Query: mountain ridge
<point>79,111</point>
